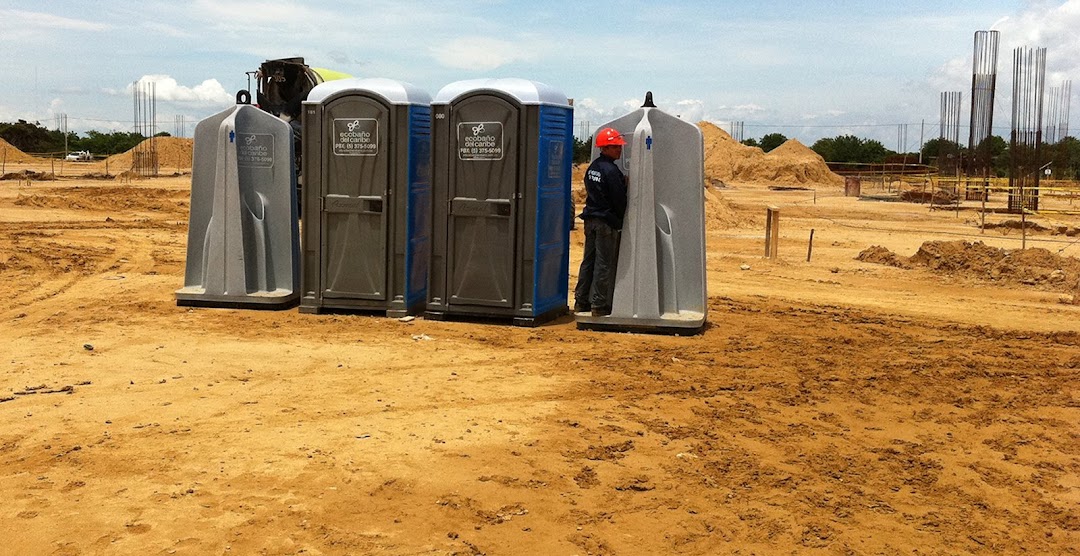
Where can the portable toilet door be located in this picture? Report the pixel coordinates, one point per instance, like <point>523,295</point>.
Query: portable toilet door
<point>500,190</point>
<point>367,196</point>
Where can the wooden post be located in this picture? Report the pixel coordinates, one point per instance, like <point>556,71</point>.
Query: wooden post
<point>772,232</point>
<point>810,248</point>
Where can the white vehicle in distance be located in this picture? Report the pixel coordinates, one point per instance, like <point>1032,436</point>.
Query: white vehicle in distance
<point>79,156</point>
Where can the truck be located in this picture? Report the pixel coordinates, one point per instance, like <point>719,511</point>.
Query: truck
<point>282,86</point>
<point>79,156</point>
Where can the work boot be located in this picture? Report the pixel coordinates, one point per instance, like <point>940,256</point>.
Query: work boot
<point>601,311</point>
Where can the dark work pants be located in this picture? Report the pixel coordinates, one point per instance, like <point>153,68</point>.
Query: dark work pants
<point>596,277</point>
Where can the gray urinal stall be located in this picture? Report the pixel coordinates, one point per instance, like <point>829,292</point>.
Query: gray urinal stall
<point>367,197</point>
<point>243,238</point>
<point>660,278</point>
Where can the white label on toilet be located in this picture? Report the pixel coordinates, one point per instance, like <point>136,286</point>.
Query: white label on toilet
<point>480,141</point>
<point>356,136</point>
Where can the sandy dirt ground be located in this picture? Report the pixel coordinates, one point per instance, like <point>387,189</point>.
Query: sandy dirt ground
<point>834,406</point>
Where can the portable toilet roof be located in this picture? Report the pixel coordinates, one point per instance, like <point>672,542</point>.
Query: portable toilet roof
<point>523,90</point>
<point>395,92</point>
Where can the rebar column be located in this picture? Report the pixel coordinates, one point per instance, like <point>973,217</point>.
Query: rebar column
<point>1056,126</point>
<point>983,86</point>
<point>1025,143</point>
<point>948,158</point>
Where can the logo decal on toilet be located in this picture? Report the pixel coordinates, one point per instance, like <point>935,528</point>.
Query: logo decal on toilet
<point>480,141</point>
<point>356,137</point>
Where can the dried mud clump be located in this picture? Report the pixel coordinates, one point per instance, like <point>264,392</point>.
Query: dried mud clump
<point>28,175</point>
<point>976,260</point>
<point>880,255</point>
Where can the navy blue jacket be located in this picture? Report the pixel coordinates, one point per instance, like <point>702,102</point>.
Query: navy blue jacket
<point>605,190</point>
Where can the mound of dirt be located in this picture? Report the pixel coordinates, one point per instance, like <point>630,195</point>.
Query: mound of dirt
<point>28,175</point>
<point>725,157</point>
<point>789,164</point>
<point>881,255</point>
<point>8,153</point>
<point>976,260</point>
<point>172,152</point>
<point>577,182</point>
<point>720,213</point>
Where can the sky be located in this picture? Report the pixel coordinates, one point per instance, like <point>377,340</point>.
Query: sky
<point>806,69</point>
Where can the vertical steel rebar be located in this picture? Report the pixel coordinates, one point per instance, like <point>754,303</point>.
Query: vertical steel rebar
<point>983,86</point>
<point>1025,145</point>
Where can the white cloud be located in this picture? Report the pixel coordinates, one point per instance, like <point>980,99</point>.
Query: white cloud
<point>691,110</point>
<point>28,21</point>
<point>478,53</point>
<point>1043,25</point>
<point>167,30</point>
<point>167,89</point>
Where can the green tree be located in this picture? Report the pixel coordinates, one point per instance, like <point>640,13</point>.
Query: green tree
<point>772,140</point>
<point>998,150</point>
<point>33,138</point>
<point>939,147</point>
<point>582,150</point>
<point>1064,157</point>
<point>751,142</point>
<point>848,148</point>
<point>110,143</point>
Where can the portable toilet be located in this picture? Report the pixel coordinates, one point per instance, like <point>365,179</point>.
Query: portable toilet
<point>367,197</point>
<point>660,276</point>
<point>243,240</point>
<point>501,210</point>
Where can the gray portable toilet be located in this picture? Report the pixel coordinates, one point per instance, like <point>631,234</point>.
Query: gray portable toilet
<point>367,197</point>
<point>501,210</point>
<point>660,278</point>
<point>243,241</point>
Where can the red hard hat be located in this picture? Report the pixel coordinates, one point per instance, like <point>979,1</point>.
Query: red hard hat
<point>608,136</point>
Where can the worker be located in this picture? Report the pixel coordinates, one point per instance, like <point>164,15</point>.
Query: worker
<point>605,206</point>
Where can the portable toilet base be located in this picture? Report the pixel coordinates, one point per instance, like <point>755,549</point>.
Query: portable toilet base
<point>243,240</point>
<point>660,277</point>
<point>523,321</point>
<point>685,323</point>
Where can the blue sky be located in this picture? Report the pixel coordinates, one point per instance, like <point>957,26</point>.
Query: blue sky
<point>807,69</point>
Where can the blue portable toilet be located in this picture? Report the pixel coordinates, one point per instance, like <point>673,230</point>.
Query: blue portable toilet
<point>501,201</point>
<point>243,243</point>
<point>367,197</point>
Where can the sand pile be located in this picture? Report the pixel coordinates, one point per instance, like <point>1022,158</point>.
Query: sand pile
<point>8,153</point>
<point>724,156</point>
<point>792,163</point>
<point>976,260</point>
<point>172,153</point>
<point>720,213</point>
